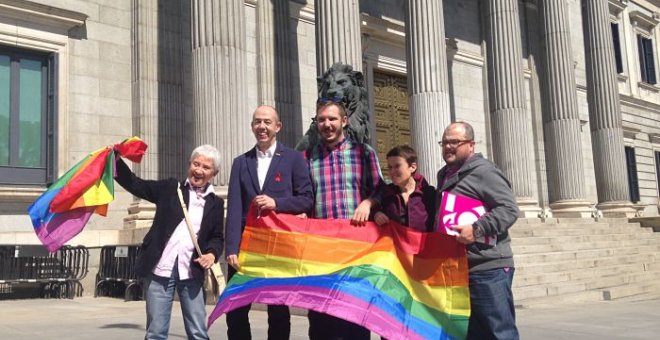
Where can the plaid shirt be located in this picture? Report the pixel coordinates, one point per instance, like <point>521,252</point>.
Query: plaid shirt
<point>342,177</point>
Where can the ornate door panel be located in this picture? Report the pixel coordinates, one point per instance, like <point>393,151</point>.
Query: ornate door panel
<point>392,118</point>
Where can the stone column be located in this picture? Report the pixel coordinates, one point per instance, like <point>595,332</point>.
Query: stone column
<point>511,126</point>
<point>274,64</point>
<point>428,89</point>
<point>158,104</point>
<point>561,121</point>
<point>157,91</point>
<point>221,116</point>
<point>337,34</point>
<point>605,112</point>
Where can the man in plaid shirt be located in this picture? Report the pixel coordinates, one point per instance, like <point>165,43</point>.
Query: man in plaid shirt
<point>345,176</point>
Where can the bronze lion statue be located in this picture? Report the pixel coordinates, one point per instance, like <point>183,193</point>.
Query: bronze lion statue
<point>341,83</point>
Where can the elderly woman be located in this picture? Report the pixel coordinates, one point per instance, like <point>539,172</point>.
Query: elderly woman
<point>167,257</point>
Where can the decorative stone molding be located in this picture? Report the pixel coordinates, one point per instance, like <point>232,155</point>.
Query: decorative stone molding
<point>44,14</point>
<point>390,31</point>
<point>304,11</point>
<point>617,6</point>
<point>572,209</point>
<point>644,21</point>
<point>648,87</point>
<point>19,194</point>
<point>655,139</point>
<point>630,132</point>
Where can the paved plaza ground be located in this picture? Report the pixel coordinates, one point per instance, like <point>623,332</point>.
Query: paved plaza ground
<point>109,318</point>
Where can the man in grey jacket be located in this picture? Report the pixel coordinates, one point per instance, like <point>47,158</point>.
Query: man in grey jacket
<point>491,266</point>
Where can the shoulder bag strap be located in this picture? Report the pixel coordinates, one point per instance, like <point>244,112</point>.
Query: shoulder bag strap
<point>193,236</point>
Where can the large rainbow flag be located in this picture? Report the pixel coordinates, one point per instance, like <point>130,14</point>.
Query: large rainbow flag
<point>62,211</point>
<point>395,281</point>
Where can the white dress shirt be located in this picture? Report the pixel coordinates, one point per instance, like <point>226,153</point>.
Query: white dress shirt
<point>263,163</point>
<point>180,247</point>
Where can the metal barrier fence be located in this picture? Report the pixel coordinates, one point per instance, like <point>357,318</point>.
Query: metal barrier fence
<point>57,274</point>
<point>116,274</point>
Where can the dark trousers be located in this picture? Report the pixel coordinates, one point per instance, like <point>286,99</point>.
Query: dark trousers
<point>492,310</point>
<point>238,322</point>
<point>327,327</point>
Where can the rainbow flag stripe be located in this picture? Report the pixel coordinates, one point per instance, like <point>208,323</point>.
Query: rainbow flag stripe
<point>397,282</point>
<point>63,210</point>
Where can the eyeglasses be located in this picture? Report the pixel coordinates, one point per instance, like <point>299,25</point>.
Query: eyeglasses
<point>453,143</point>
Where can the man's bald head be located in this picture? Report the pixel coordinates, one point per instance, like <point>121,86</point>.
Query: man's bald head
<point>268,110</point>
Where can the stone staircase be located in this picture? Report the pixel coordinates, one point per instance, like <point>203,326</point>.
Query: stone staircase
<point>576,260</point>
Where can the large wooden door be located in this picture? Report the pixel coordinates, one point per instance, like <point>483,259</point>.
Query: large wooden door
<point>392,116</point>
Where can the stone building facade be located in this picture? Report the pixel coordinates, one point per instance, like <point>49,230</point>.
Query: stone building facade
<point>562,94</point>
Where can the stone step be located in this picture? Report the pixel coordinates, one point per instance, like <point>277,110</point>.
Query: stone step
<point>540,232</point>
<point>631,289</point>
<point>599,273</point>
<point>562,266</point>
<point>561,228</point>
<point>549,230</point>
<point>581,274</point>
<point>597,225</point>
<point>586,245</point>
<point>539,279</point>
<point>571,255</point>
<point>646,276</point>
<point>612,285</point>
<point>538,291</point>
<point>578,297</point>
<point>562,239</point>
<point>568,261</point>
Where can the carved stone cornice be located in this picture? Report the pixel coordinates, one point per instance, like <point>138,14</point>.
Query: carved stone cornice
<point>617,6</point>
<point>381,29</point>
<point>645,21</point>
<point>33,12</point>
<point>12,194</point>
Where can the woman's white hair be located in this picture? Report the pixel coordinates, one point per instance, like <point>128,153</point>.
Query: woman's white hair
<point>209,152</point>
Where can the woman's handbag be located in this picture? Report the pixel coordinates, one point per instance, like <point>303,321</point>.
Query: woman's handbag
<point>214,280</point>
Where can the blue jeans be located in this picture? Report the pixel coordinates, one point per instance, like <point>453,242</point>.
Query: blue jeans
<point>492,311</point>
<point>159,293</point>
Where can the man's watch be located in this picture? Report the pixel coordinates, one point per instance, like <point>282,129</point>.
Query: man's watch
<point>477,231</point>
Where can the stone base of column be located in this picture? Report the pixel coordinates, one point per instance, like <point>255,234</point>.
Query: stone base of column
<point>222,191</point>
<point>617,209</point>
<point>140,215</point>
<point>572,209</point>
<point>529,208</point>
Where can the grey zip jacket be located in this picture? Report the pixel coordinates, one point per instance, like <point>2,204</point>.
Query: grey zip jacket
<point>480,179</point>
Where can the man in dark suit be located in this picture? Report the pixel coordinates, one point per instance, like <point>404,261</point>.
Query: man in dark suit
<point>167,257</point>
<point>273,177</point>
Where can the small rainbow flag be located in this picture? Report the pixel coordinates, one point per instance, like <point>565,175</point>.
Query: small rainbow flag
<point>395,281</point>
<point>62,211</point>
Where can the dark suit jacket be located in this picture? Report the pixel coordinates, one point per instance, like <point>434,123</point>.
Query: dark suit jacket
<point>288,182</point>
<point>168,216</point>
